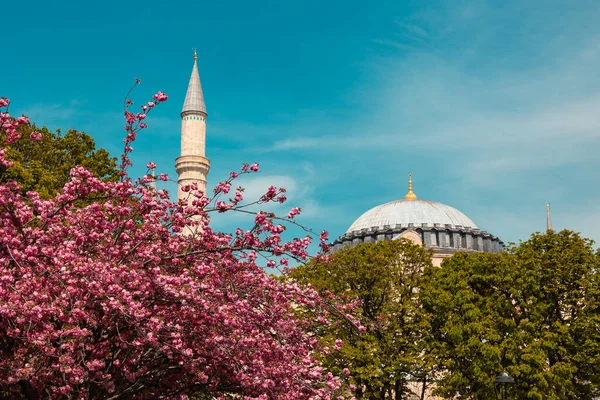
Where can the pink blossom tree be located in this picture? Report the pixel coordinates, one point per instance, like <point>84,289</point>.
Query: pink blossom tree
<point>101,296</point>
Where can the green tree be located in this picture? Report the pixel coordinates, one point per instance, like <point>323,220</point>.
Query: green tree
<point>377,285</point>
<point>533,311</point>
<point>470,313</point>
<point>44,165</point>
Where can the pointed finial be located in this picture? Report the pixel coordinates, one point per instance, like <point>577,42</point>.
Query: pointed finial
<point>548,219</point>
<point>410,195</point>
<point>195,54</point>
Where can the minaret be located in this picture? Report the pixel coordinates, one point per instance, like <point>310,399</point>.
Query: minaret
<point>192,165</point>
<point>548,220</point>
<point>153,181</point>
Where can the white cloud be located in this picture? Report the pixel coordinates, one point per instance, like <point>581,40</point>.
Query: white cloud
<point>298,192</point>
<point>494,105</point>
<point>299,143</point>
<point>503,102</point>
<point>53,114</point>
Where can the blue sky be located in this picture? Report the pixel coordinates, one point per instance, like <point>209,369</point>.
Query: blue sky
<point>493,106</point>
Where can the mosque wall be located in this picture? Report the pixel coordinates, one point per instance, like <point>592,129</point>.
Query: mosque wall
<point>447,241</point>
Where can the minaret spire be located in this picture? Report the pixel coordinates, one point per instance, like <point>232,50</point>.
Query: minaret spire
<point>548,220</point>
<point>410,195</point>
<point>192,166</point>
<point>194,98</point>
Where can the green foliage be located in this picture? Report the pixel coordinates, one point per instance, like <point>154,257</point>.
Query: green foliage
<point>44,165</point>
<point>534,311</point>
<point>380,284</point>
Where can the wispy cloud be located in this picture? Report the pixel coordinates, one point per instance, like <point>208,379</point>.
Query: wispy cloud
<point>501,101</point>
<point>299,192</point>
<point>492,105</point>
<point>54,115</point>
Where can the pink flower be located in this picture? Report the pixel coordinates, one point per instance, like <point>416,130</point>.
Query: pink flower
<point>164,177</point>
<point>324,237</point>
<point>277,229</point>
<point>35,136</point>
<point>254,167</point>
<point>129,117</point>
<point>222,207</point>
<point>151,165</point>
<point>260,218</point>
<point>271,193</point>
<point>293,212</point>
<point>222,187</point>
<point>151,104</point>
<point>238,196</point>
<point>4,102</point>
<point>160,97</point>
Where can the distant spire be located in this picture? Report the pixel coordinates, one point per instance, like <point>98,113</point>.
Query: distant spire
<point>410,195</point>
<point>153,181</point>
<point>194,99</point>
<point>548,220</point>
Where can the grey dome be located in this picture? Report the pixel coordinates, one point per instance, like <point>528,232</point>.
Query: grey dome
<point>417,212</point>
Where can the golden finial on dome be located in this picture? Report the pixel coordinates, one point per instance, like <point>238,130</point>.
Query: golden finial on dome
<point>195,55</point>
<point>410,195</point>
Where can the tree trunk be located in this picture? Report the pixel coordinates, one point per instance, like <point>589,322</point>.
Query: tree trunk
<point>399,389</point>
<point>424,387</point>
<point>28,390</point>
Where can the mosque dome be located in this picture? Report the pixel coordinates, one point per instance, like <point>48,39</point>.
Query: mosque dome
<point>415,212</point>
<point>435,225</point>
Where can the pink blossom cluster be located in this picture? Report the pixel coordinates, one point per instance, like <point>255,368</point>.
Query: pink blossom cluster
<point>100,295</point>
<point>293,212</point>
<point>8,128</point>
<point>134,124</point>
